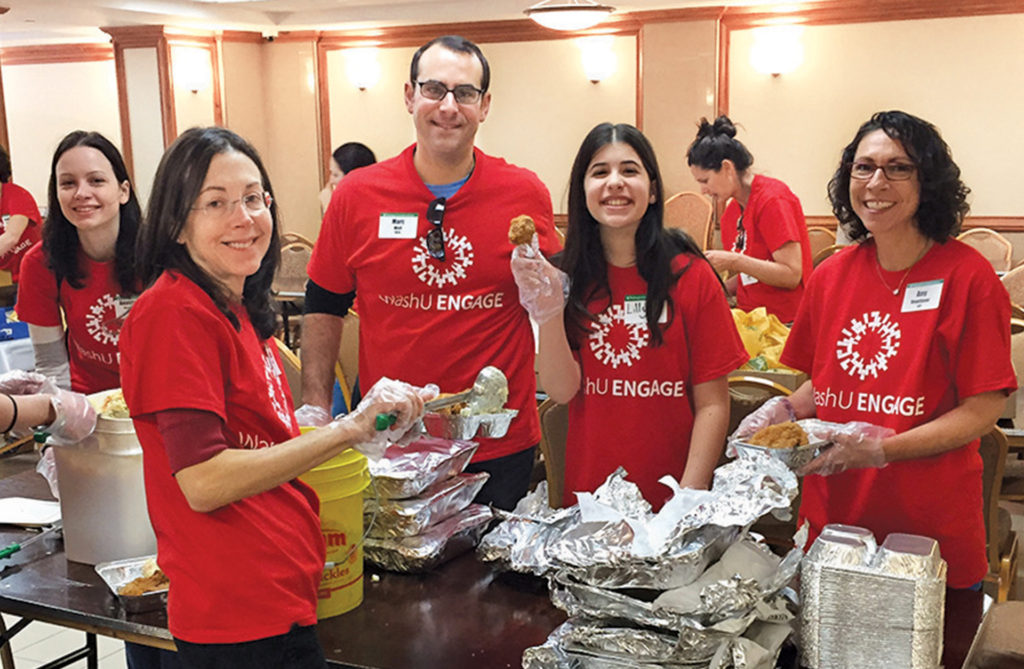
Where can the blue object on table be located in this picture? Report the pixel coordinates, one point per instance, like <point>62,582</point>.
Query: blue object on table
<point>13,330</point>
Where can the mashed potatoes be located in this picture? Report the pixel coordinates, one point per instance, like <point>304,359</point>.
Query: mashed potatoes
<point>114,406</point>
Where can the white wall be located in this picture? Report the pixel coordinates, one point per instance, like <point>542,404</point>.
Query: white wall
<point>144,114</point>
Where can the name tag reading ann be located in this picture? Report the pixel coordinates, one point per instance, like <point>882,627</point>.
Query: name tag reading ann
<point>923,296</point>
<point>398,226</point>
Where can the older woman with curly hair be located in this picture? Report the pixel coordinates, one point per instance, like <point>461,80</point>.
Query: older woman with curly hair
<point>906,338</point>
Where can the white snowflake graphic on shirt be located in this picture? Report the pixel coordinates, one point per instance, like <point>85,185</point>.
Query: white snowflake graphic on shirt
<point>601,338</point>
<point>850,349</point>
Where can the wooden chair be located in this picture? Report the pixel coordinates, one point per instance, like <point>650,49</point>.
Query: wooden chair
<point>997,249</point>
<point>1001,540</point>
<point>346,368</point>
<point>1013,281</point>
<point>289,284</point>
<point>821,238</point>
<point>825,253</point>
<point>691,213</point>
<point>295,238</point>
<point>554,429</point>
<point>292,371</point>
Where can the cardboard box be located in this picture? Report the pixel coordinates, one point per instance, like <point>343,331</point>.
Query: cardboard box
<point>788,380</point>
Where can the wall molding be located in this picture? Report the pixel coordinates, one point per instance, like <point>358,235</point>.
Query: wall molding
<point>56,53</point>
<point>997,223</point>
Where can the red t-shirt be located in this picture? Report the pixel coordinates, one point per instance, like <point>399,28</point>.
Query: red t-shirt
<point>90,315</point>
<point>251,569</point>
<point>15,201</point>
<point>773,217</point>
<point>900,361</point>
<point>634,408</point>
<point>424,320</point>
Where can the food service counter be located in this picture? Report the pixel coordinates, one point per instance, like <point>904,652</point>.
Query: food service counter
<point>464,615</point>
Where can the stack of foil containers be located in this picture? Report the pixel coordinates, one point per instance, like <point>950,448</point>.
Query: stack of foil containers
<point>869,606</point>
<point>418,508</point>
<point>686,587</point>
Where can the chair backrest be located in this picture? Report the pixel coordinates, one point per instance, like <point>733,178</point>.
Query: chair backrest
<point>346,369</point>
<point>821,238</point>
<point>997,249</point>
<point>292,371</point>
<point>690,212</point>
<point>993,449</point>
<point>554,429</point>
<point>1013,281</point>
<point>823,254</point>
<point>747,393</point>
<point>295,238</point>
<point>291,272</point>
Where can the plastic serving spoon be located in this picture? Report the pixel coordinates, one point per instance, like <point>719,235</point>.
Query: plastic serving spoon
<point>488,395</point>
<point>11,549</point>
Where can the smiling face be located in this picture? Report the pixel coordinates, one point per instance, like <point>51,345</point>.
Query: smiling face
<point>445,129</point>
<point>223,234</point>
<point>617,186</point>
<point>90,195</point>
<point>722,184</point>
<point>883,205</point>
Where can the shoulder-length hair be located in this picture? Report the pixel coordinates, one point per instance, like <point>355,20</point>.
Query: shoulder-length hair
<point>60,237</point>
<point>583,259</point>
<point>176,186</point>
<point>943,199</point>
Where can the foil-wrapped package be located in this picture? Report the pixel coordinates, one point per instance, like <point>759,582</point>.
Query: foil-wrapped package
<point>406,517</point>
<point>407,470</point>
<point>872,606</point>
<point>440,543</point>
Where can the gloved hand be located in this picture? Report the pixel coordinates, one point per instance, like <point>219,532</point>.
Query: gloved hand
<point>18,382</point>
<point>775,410</point>
<point>543,288</point>
<point>311,415</point>
<point>389,397</point>
<point>855,445</point>
<point>76,417</point>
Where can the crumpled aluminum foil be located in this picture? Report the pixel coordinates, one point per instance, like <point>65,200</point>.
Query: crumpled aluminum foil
<point>868,606</point>
<point>406,517</point>
<point>612,539</point>
<point>440,543</point>
<point>406,470</point>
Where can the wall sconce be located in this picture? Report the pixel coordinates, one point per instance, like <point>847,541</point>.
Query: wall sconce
<point>362,67</point>
<point>777,49</point>
<point>568,14</point>
<point>192,68</point>
<point>597,56</point>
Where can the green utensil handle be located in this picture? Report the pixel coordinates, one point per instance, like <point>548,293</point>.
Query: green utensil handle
<point>10,550</point>
<point>383,421</point>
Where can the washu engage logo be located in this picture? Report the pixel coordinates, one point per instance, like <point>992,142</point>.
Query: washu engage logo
<point>616,342</point>
<point>458,259</point>
<point>867,345</point>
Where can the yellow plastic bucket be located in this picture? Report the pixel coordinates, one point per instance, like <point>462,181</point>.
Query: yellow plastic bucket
<point>340,483</point>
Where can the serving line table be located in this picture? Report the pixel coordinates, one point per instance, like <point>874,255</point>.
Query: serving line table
<point>464,615</point>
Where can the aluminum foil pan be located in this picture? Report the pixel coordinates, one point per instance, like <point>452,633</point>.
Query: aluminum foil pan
<point>458,426</point>
<point>440,543</point>
<point>407,470</point>
<point>407,517</point>
<point>795,457</point>
<point>119,573</point>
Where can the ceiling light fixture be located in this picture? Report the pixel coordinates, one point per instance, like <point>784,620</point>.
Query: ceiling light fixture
<point>568,14</point>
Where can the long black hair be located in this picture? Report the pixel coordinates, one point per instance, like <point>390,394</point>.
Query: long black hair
<point>60,237</point>
<point>176,186</point>
<point>716,142</point>
<point>583,259</point>
<point>942,203</point>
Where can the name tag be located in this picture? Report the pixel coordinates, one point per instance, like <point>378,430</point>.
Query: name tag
<point>397,226</point>
<point>923,296</point>
<point>747,280</point>
<point>635,310</point>
<point>122,305</point>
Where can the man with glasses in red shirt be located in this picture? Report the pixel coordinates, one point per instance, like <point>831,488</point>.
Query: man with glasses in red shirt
<point>419,244</point>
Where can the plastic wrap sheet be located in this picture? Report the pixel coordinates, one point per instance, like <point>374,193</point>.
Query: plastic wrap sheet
<point>407,517</point>
<point>868,606</point>
<point>437,545</point>
<point>406,470</point>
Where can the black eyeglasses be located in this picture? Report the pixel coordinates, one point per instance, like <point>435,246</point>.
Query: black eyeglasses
<point>892,171</point>
<point>435,236</point>
<point>465,94</point>
<point>741,236</point>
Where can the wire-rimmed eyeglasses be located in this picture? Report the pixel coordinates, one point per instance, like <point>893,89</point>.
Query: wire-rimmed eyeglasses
<point>435,236</point>
<point>219,207</point>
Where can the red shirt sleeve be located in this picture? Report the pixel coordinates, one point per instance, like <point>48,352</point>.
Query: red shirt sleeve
<point>190,436</point>
<point>37,291</point>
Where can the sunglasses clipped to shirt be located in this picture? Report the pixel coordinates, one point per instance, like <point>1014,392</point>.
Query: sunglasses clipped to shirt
<point>435,236</point>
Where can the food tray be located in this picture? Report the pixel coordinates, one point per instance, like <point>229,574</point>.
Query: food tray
<point>795,457</point>
<point>493,425</point>
<point>119,572</point>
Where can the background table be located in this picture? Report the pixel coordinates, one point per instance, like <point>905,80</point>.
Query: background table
<point>17,354</point>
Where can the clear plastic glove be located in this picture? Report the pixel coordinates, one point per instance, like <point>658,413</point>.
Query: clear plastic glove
<point>543,288</point>
<point>775,410</point>
<point>76,417</point>
<point>47,468</point>
<point>855,445</point>
<point>19,382</point>
<point>311,415</point>
<point>389,398</point>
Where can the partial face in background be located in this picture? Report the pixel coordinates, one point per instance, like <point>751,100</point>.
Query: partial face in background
<point>445,128</point>
<point>881,203</point>
<point>228,230</point>
<point>90,195</point>
<point>617,186</point>
<point>335,175</point>
<point>722,184</point>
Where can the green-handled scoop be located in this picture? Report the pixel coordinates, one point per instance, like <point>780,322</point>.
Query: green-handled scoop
<point>15,547</point>
<point>488,395</point>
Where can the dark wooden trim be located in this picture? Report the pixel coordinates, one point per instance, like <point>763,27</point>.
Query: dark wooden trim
<point>168,116</point>
<point>56,53</point>
<point>323,108</point>
<point>246,36</point>
<point>218,106</point>
<point>722,85</point>
<point>5,138</point>
<point>122,108</point>
<point>997,223</point>
<point>640,79</point>
<point>868,11</point>
<point>709,13</point>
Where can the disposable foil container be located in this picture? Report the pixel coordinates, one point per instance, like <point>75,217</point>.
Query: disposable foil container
<point>438,544</point>
<point>407,470</point>
<point>407,517</point>
<point>458,426</point>
<point>794,457</point>
<point>119,573</point>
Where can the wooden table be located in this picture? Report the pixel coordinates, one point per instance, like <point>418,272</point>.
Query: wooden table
<point>464,615</point>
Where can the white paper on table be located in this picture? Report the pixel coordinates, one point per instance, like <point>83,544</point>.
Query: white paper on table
<point>28,512</point>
